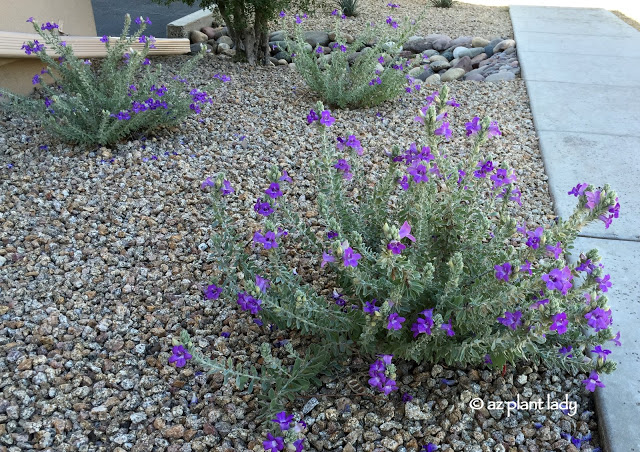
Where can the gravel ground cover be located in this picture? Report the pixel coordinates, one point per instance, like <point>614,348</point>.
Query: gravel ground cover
<point>103,256</point>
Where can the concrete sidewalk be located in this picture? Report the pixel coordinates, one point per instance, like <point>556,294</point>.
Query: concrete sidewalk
<point>582,71</point>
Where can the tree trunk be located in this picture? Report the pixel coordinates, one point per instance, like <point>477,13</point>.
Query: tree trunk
<point>251,42</point>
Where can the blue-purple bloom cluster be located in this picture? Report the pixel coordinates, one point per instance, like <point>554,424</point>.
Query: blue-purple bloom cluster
<point>379,373</point>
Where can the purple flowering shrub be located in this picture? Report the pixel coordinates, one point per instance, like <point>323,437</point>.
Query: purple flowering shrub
<point>349,78</point>
<point>426,262</point>
<point>102,101</point>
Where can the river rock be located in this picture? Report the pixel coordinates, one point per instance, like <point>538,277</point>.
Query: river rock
<point>279,35</point>
<point>433,79</point>
<point>479,42</point>
<point>459,52</point>
<point>418,45</point>
<point>430,52</point>
<point>500,76</point>
<point>425,74</point>
<point>452,74</point>
<point>463,41</point>
<point>464,63</point>
<point>225,40</point>
<point>489,50</point>
<point>504,45</point>
<point>316,38</point>
<point>435,58</point>
<point>209,31</point>
<point>283,56</point>
<point>477,59</point>
<point>475,52</point>
<point>476,77</point>
<point>220,31</point>
<point>437,66</point>
<point>197,36</point>
<point>222,47</point>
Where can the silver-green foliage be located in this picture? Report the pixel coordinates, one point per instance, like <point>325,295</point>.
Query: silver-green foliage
<point>462,229</point>
<point>83,102</point>
<point>362,83</point>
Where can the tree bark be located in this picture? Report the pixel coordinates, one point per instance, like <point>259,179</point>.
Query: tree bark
<point>251,42</point>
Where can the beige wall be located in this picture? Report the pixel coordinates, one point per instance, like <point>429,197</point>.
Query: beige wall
<point>76,17</point>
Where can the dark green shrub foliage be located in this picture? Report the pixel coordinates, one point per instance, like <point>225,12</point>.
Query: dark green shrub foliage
<point>99,103</point>
<point>348,7</point>
<point>442,3</point>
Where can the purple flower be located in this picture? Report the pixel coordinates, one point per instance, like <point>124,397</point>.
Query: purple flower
<point>593,381</point>
<point>487,359</point>
<point>539,303</point>
<point>262,283</point>
<point>268,240</point>
<point>443,130</point>
<point>423,325</point>
<point>503,271</point>
<point>180,356</point>
<point>556,251</point>
<point>598,319</point>
<point>326,119</point>
<point>226,188</point>
<point>430,448</point>
<point>452,102</point>
<point>405,231</point>
<point>511,319</point>
<point>578,190</point>
<point>395,321</point>
<point>334,12</point>
<point>500,178</point>
<point>274,190</point>
<point>474,126</point>
<point>32,48</point>
<point>593,199</point>
<point>485,168</point>
<point>566,351</point>
<point>600,352</point>
<point>419,172</point>
<point>493,130</point>
<point>122,116</point>
<point>586,266</point>
<point>283,420</point>
<point>248,303</point>
<point>282,14</point>
<point>560,323</point>
<point>448,328</point>
<point>392,5</point>
<point>225,334</point>
<point>616,340</point>
<point>299,445</point>
<point>406,397</point>
<point>534,238</point>
<point>49,26</point>
<point>354,144</point>
<point>212,292</point>
<point>30,20</point>
<point>263,208</point>
<point>36,79</point>
<point>604,283</point>
<point>370,307</point>
<point>326,258</point>
<point>332,235</point>
<point>558,279</point>
<point>351,258</point>
<point>312,116</point>
<point>395,247</point>
<point>615,210</point>
<point>207,183</point>
<point>404,182</point>
<point>146,62</point>
<point>392,23</point>
<point>389,386</point>
<point>526,267</point>
<point>273,444</point>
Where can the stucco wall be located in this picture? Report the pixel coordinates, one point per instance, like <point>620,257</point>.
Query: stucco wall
<point>76,17</point>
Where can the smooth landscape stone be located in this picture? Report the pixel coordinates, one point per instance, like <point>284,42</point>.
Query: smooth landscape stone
<point>418,45</point>
<point>504,45</point>
<point>220,31</point>
<point>464,63</point>
<point>209,31</point>
<point>283,56</point>
<point>225,40</point>
<point>484,63</point>
<point>213,45</point>
<point>435,58</point>
<point>229,52</point>
<point>316,38</point>
<point>489,50</point>
<point>477,71</point>
<point>425,74</point>
<point>273,60</point>
<point>197,36</point>
<point>477,59</point>
<point>495,42</point>
<point>433,79</point>
<point>415,72</point>
<point>463,41</point>
<point>479,42</point>
<point>222,47</point>
<point>500,76</point>
<point>430,52</point>
<point>439,65</point>
<point>474,77</point>
<point>475,52</point>
<point>441,44</point>
<point>459,52</point>
<point>194,49</point>
<point>279,35</point>
<point>510,50</point>
<point>346,37</point>
<point>453,62</point>
<point>452,74</point>
<point>283,62</point>
<point>448,55</point>
<point>278,46</point>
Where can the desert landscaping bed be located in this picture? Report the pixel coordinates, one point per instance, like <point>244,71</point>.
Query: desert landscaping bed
<point>104,254</point>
